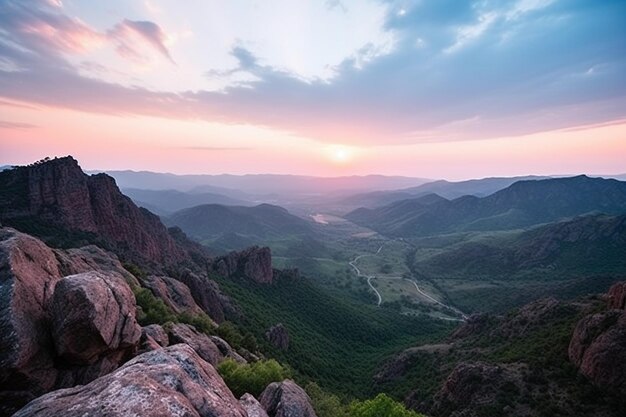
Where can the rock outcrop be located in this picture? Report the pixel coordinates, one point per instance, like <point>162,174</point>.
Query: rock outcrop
<point>163,382</point>
<point>286,399</point>
<point>57,194</point>
<point>278,336</point>
<point>93,314</point>
<point>254,263</point>
<point>598,345</point>
<point>206,294</point>
<point>472,386</point>
<point>176,295</point>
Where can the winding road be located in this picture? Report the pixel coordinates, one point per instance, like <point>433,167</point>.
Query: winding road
<point>353,262</point>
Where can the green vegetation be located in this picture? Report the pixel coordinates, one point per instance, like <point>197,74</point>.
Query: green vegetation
<point>253,377</point>
<point>337,342</point>
<point>152,310</point>
<point>381,405</point>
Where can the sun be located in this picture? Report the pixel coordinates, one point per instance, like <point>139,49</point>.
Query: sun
<point>340,154</point>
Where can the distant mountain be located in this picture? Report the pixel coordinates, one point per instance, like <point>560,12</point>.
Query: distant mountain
<point>168,201</point>
<point>523,204</point>
<point>447,189</point>
<point>260,184</point>
<point>5,167</point>
<point>239,224</point>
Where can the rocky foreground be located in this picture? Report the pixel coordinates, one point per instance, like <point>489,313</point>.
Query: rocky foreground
<point>72,345</point>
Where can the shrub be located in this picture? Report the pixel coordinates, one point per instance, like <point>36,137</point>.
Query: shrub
<point>152,310</point>
<point>251,378</point>
<point>381,405</point>
<point>230,332</point>
<point>325,404</point>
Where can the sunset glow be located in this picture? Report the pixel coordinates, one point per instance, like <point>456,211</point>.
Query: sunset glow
<point>326,88</point>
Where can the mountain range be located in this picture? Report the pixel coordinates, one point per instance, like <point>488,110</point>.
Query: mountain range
<point>523,204</point>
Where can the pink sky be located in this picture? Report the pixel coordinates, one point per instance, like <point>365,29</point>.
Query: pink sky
<point>185,147</point>
<point>318,88</point>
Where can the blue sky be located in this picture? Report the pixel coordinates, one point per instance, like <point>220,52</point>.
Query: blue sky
<point>342,73</point>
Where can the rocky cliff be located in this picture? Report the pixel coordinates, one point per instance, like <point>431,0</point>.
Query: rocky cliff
<point>56,200</point>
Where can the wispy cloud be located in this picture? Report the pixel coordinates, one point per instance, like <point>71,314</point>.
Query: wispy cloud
<point>16,125</point>
<point>484,88</point>
<point>127,33</point>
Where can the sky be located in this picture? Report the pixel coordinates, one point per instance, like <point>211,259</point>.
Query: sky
<point>450,89</point>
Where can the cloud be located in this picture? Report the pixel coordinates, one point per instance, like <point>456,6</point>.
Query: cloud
<point>39,27</point>
<point>127,33</point>
<point>515,75</point>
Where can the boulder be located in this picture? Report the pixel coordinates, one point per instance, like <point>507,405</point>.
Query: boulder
<point>286,399</point>
<point>174,294</point>
<point>252,406</point>
<point>28,275</point>
<point>93,314</point>
<point>200,342</point>
<point>278,336</point>
<point>92,258</point>
<point>173,381</point>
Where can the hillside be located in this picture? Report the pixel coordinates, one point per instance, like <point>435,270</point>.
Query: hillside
<point>166,202</point>
<point>234,227</point>
<point>527,362</point>
<point>523,204</point>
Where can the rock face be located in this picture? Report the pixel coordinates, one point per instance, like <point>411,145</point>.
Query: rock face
<point>58,194</point>
<point>598,345</point>
<point>253,263</point>
<point>174,294</point>
<point>93,314</point>
<point>57,332</point>
<point>165,382</point>
<point>286,399</point>
<point>278,336</point>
